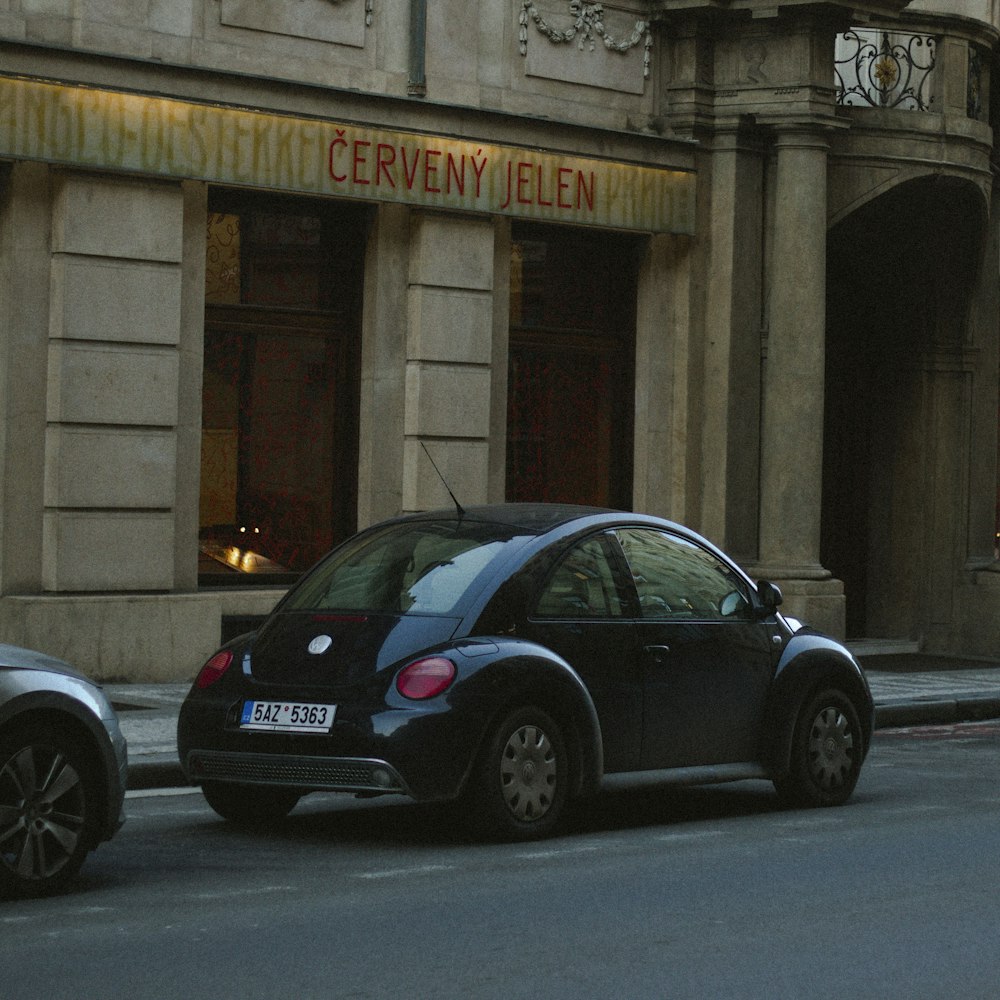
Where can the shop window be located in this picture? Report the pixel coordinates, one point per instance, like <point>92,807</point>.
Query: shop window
<point>570,381</point>
<point>279,391</point>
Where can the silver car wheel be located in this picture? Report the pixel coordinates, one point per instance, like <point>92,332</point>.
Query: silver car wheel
<point>42,812</point>
<point>830,749</point>
<point>528,773</point>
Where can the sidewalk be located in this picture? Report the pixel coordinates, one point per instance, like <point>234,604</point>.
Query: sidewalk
<point>909,690</point>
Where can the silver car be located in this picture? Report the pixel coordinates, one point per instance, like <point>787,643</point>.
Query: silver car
<point>63,771</point>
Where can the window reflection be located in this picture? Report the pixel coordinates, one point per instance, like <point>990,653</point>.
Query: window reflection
<point>675,578</point>
<point>582,586</point>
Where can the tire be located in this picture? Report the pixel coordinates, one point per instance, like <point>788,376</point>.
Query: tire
<point>250,805</point>
<point>48,806</point>
<point>519,788</point>
<point>827,753</point>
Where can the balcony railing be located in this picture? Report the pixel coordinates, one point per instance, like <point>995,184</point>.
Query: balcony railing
<point>885,69</point>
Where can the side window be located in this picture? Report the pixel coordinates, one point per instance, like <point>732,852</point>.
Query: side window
<point>581,586</point>
<point>676,579</point>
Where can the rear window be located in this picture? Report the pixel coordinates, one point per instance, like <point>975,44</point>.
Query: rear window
<point>414,568</point>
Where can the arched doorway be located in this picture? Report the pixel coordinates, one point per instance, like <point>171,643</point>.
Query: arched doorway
<point>897,433</point>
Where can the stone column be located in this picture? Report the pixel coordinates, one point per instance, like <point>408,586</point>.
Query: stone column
<point>730,430</point>
<point>114,364</point>
<point>25,295</point>
<point>449,358</point>
<point>661,483</point>
<point>383,367</point>
<point>792,426</point>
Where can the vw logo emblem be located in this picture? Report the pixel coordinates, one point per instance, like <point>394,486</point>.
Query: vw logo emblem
<point>320,644</point>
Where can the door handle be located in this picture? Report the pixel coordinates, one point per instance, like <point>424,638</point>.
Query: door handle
<point>657,652</point>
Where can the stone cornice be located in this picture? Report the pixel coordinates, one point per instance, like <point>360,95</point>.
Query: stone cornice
<point>772,8</point>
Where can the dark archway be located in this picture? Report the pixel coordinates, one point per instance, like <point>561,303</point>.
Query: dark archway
<point>900,271</point>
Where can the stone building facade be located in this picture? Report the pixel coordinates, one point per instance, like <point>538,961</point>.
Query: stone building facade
<point>266,269</point>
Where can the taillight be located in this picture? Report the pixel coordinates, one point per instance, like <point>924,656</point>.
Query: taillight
<point>425,678</point>
<point>214,669</point>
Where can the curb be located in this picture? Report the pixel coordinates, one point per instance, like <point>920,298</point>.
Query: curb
<point>156,774</point>
<point>937,711</point>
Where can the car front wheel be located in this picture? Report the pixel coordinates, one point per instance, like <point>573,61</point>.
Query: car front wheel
<point>46,804</point>
<point>520,789</point>
<point>250,805</point>
<point>826,753</point>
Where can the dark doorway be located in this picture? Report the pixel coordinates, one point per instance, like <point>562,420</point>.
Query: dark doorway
<point>570,394</point>
<point>279,397</point>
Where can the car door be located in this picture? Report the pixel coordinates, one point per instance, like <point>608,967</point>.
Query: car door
<point>582,612</point>
<point>707,658</point>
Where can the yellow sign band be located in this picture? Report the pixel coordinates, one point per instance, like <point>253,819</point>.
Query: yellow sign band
<point>158,136</point>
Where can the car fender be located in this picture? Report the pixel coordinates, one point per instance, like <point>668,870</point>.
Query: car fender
<point>500,674</point>
<point>809,662</point>
<point>88,715</point>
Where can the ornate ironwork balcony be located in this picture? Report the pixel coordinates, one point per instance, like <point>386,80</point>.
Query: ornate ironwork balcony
<point>885,69</point>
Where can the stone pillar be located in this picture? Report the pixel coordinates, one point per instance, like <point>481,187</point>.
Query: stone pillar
<point>113,385</point>
<point>449,357</point>
<point>792,425</point>
<point>383,367</point>
<point>427,362</point>
<point>191,354</point>
<point>730,429</point>
<point>500,352</point>
<point>25,266</point>
<point>662,377</point>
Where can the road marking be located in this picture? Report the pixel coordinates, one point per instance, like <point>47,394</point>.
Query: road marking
<point>916,807</point>
<point>158,793</point>
<point>676,838</point>
<point>145,817</point>
<point>557,852</point>
<point>396,872</point>
<point>812,823</point>
<point>262,890</point>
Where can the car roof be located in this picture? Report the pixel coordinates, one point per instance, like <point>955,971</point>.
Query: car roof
<point>533,518</point>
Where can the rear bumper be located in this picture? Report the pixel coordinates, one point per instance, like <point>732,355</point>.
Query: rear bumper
<point>424,751</point>
<point>333,774</point>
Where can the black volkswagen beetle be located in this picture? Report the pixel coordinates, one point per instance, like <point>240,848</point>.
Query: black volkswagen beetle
<point>510,657</point>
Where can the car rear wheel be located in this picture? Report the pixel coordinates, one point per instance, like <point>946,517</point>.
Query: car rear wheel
<point>520,790</point>
<point>47,805</point>
<point>826,753</point>
<point>250,804</point>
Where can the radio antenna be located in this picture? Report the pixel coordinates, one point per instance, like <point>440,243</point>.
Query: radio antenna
<point>458,506</point>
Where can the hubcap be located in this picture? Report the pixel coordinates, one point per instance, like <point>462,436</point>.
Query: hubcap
<point>831,745</point>
<point>42,812</point>
<point>528,773</point>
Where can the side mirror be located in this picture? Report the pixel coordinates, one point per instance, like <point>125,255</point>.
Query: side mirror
<point>770,596</point>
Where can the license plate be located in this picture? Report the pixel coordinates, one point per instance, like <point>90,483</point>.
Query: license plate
<point>287,716</point>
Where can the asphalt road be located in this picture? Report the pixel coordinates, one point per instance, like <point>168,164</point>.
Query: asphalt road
<point>712,892</point>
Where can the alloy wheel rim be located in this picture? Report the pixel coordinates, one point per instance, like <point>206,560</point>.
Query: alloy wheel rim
<point>42,812</point>
<point>831,745</point>
<point>528,773</point>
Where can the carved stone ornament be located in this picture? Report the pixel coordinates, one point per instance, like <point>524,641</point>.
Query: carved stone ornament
<point>369,10</point>
<point>588,24</point>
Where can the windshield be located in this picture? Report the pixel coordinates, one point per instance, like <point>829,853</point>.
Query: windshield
<point>413,568</point>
